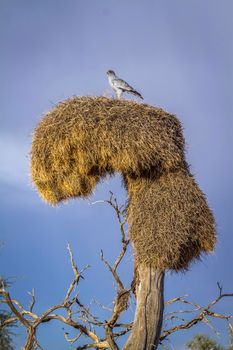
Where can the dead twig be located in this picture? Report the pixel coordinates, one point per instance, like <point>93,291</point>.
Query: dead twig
<point>80,317</point>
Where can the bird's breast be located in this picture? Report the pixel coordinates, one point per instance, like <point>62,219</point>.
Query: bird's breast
<point>111,82</point>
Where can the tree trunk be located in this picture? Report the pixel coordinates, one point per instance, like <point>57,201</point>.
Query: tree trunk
<point>149,312</point>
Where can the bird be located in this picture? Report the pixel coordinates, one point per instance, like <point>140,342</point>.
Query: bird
<point>120,86</point>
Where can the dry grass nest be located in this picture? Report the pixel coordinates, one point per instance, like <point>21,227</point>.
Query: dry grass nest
<point>169,219</point>
<point>84,138</point>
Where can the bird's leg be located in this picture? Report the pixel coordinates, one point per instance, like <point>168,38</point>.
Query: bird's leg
<point>119,93</point>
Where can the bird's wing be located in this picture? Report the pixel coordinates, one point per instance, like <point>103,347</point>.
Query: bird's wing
<point>121,84</point>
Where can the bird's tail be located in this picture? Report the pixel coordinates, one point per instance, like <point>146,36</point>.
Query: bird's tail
<point>134,92</point>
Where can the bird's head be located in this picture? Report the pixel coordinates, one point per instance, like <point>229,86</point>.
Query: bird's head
<point>110,73</point>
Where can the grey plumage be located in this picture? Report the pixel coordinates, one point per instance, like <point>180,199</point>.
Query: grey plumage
<point>120,86</point>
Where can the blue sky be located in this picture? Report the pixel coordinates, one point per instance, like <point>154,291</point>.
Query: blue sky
<point>178,54</point>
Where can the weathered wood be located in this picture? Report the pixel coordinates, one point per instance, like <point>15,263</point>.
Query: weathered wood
<point>149,312</point>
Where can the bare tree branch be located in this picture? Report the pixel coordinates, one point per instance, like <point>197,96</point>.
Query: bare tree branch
<point>80,316</point>
<point>201,316</point>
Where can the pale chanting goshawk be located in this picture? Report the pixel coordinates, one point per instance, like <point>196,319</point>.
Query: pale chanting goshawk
<point>120,86</point>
